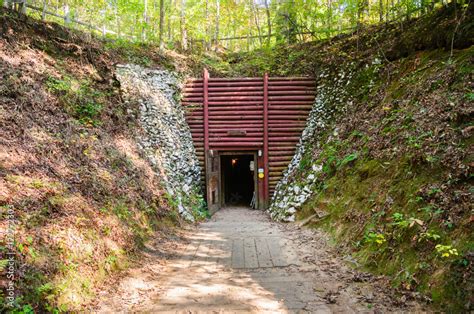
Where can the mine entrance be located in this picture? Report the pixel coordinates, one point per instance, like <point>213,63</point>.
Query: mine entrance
<point>264,116</point>
<point>238,179</point>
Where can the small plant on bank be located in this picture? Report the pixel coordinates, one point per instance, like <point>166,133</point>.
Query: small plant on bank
<point>432,211</point>
<point>446,251</point>
<point>374,238</point>
<point>400,221</point>
<point>57,85</point>
<point>88,113</point>
<point>82,100</point>
<point>429,236</point>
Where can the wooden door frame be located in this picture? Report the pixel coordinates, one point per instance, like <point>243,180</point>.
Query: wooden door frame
<point>255,175</point>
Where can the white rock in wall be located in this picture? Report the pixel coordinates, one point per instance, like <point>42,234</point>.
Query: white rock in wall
<point>331,98</point>
<point>167,141</point>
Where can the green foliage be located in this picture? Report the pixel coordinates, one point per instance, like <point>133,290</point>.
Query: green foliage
<point>374,238</point>
<point>446,251</point>
<point>132,52</point>
<point>83,101</point>
<point>332,161</point>
<point>122,211</point>
<point>290,21</point>
<point>347,159</point>
<point>429,236</point>
<point>88,112</point>
<point>193,201</point>
<point>402,239</point>
<point>57,85</point>
<point>88,107</point>
<point>401,222</point>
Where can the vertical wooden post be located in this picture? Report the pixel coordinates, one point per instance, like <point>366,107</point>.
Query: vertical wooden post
<point>265,140</point>
<point>205,86</point>
<point>205,110</point>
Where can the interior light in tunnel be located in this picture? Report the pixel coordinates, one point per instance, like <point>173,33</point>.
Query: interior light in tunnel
<point>234,162</point>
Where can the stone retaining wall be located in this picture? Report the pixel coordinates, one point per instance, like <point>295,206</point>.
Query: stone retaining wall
<point>166,140</point>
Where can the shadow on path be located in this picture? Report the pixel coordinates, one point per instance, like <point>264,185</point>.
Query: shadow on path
<point>241,261</point>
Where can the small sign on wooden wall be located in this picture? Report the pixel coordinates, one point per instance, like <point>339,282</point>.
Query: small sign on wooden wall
<point>236,133</point>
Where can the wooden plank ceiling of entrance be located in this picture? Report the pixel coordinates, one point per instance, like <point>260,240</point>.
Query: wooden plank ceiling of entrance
<point>266,114</point>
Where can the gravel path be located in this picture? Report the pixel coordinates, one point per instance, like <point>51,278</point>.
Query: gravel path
<point>241,261</point>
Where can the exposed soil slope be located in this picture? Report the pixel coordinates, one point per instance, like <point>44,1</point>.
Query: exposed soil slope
<point>81,197</point>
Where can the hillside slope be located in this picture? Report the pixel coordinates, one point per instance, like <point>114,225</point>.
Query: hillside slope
<point>385,163</point>
<point>77,195</point>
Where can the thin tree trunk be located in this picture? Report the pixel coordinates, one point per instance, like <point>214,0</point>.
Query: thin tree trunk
<point>269,22</point>
<point>392,6</point>
<point>380,11</point>
<point>360,8</point>
<point>208,36</point>
<point>117,21</point>
<point>162,22</point>
<point>329,18</point>
<point>218,13</point>
<point>170,13</point>
<point>184,34</point>
<point>145,19</point>
<point>43,13</point>
<point>257,21</point>
<point>249,34</point>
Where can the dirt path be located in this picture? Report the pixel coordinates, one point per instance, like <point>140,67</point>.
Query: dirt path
<point>240,261</point>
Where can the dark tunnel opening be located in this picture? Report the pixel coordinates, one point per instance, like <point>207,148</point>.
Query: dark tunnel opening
<point>237,179</point>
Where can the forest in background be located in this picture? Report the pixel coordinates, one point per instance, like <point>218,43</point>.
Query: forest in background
<point>223,25</point>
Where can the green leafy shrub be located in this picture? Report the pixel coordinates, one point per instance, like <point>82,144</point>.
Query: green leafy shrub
<point>429,236</point>
<point>57,85</point>
<point>88,113</point>
<point>446,251</point>
<point>374,238</point>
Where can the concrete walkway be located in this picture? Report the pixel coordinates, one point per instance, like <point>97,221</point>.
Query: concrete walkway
<point>241,261</point>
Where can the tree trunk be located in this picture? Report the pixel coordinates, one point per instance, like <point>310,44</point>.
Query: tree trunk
<point>257,21</point>
<point>43,13</point>
<point>360,8</point>
<point>145,19</point>
<point>380,11</point>
<point>329,18</point>
<point>170,13</point>
<point>184,33</point>
<point>218,9</point>
<point>249,34</point>
<point>117,21</point>
<point>269,22</point>
<point>162,22</point>
<point>208,36</point>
